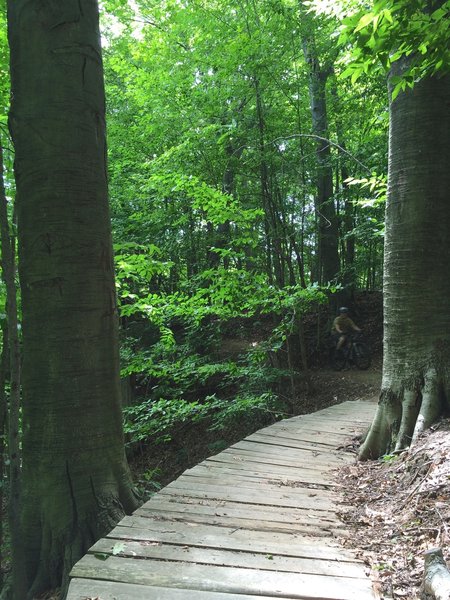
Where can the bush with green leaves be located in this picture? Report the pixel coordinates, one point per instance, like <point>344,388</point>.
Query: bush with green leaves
<point>172,345</point>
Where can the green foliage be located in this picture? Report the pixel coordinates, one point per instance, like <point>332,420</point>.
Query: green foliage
<point>377,187</point>
<point>148,484</point>
<point>212,178</point>
<point>157,420</point>
<point>389,458</point>
<point>178,369</point>
<point>394,30</point>
<point>245,408</point>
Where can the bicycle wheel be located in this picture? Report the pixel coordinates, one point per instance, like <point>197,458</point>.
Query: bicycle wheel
<point>338,359</point>
<point>361,355</point>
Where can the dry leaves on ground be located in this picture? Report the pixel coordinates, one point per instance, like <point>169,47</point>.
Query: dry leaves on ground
<point>399,509</point>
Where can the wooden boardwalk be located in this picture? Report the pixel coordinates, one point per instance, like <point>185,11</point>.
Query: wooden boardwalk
<point>256,522</point>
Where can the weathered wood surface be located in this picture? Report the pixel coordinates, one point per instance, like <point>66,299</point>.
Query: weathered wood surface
<point>258,521</point>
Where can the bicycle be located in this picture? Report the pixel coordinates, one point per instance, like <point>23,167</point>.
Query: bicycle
<point>355,352</point>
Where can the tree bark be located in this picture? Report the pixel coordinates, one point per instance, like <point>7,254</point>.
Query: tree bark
<point>4,365</point>
<point>436,580</point>
<point>76,482</point>
<point>13,345</point>
<point>328,243</point>
<point>416,373</point>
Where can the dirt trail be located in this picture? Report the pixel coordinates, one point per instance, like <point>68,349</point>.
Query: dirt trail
<point>333,387</point>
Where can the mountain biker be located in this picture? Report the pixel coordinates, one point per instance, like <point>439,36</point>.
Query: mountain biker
<point>342,326</point>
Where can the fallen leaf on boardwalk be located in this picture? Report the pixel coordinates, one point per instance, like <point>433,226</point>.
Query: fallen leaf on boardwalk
<point>118,548</point>
<point>150,543</point>
<point>101,555</point>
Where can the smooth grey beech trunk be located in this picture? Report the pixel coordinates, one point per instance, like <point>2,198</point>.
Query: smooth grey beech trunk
<point>416,364</point>
<point>76,482</point>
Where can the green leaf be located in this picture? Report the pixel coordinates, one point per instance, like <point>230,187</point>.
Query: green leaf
<point>348,71</point>
<point>397,89</point>
<point>364,21</point>
<point>101,555</point>
<point>356,75</point>
<point>388,15</point>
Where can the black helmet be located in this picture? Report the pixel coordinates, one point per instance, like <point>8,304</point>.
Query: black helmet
<point>343,309</point>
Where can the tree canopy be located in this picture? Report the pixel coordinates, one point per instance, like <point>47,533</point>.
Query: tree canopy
<point>247,175</point>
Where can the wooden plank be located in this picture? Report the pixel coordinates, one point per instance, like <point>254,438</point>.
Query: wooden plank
<point>288,500</point>
<point>254,521</point>
<point>304,452</point>
<point>223,579</point>
<point>85,589</point>
<point>352,409</point>
<point>229,558</point>
<point>318,432</point>
<point>221,508</point>
<point>214,483</point>
<point>218,477</point>
<point>224,538</point>
<point>296,457</point>
<point>327,442</point>
<point>302,440</point>
<point>236,456</point>
<point>236,509</point>
<point>345,429</point>
<point>359,414</point>
<point>260,473</point>
<point>244,458</point>
<point>313,432</point>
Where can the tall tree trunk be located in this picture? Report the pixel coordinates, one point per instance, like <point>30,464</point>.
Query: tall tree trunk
<point>13,345</point>
<point>273,242</point>
<point>221,237</point>
<point>76,482</point>
<point>4,367</point>
<point>348,219</point>
<point>416,367</point>
<point>329,264</point>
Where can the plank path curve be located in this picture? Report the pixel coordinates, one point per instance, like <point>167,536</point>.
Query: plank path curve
<point>256,522</point>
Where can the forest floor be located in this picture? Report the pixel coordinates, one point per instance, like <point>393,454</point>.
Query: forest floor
<point>400,508</point>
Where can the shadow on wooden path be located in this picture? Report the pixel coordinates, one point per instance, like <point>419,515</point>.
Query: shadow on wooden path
<point>257,521</point>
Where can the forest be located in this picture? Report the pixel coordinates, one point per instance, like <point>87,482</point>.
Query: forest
<point>190,190</point>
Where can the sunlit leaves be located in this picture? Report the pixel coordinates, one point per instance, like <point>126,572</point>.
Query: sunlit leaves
<point>397,29</point>
<point>376,185</point>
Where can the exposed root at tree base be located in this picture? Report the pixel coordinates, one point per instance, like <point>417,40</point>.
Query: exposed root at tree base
<point>405,411</point>
<point>400,509</point>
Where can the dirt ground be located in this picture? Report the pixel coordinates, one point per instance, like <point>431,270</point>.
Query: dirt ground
<point>334,387</point>
<point>400,509</point>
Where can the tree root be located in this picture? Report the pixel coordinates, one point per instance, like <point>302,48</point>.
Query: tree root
<point>404,414</point>
<point>431,407</point>
<point>436,580</point>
